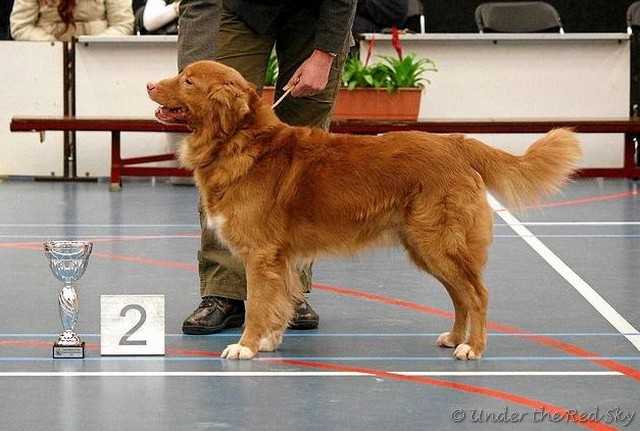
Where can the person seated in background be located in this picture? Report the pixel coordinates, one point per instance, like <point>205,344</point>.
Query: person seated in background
<point>5,11</point>
<point>372,16</point>
<point>64,19</point>
<point>157,17</point>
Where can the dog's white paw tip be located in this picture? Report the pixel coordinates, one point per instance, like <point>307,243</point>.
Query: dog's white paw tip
<point>444,340</point>
<point>237,351</point>
<point>464,352</point>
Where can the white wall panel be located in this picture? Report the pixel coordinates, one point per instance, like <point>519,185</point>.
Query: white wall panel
<point>32,84</point>
<point>520,76</point>
<point>111,80</point>
<point>527,76</point>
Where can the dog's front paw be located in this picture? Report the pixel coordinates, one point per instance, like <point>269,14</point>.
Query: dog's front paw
<point>464,352</point>
<point>237,351</point>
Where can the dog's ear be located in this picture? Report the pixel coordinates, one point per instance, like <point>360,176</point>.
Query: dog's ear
<point>232,106</point>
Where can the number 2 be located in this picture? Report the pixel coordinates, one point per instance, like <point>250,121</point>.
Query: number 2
<point>124,341</point>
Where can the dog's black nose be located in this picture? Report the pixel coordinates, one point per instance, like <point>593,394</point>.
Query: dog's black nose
<point>150,86</point>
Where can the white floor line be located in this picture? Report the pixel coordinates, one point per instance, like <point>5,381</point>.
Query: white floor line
<point>300,373</point>
<point>597,301</point>
<point>569,236</point>
<point>347,334</point>
<point>568,223</point>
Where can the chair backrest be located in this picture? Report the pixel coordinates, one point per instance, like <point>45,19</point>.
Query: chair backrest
<point>415,7</point>
<point>415,12</point>
<point>518,17</point>
<point>633,17</point>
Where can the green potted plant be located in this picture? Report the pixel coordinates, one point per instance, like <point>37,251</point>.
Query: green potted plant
<point>390,89</point>
<point>270,79</point>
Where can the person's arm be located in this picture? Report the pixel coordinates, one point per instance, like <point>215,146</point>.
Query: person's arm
<point>158,13</point>
<point>119,18</point>
<point>332,33</point>
<point>24,17</point>
<point>197,28</point>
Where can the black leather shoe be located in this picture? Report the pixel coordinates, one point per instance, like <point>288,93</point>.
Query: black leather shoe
<point>305,317</point>
<point>214,314</point>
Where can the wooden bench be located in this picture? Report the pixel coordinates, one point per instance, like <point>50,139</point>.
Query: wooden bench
<point>130,166</point>
<point>119,166</point>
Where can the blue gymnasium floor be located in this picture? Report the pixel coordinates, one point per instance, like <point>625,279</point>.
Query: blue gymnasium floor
<point>372,364</point>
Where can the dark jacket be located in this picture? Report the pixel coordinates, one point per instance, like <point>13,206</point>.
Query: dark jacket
<point>334,22</point>
<point>374,15</point>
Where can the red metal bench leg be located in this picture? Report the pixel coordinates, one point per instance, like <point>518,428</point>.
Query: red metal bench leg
<point>116,163</point>
<point>630,168</point>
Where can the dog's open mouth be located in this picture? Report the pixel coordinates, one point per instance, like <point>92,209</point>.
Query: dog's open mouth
<point>173,115</point>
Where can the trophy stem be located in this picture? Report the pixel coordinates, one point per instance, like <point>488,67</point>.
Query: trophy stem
<point>69,309</point>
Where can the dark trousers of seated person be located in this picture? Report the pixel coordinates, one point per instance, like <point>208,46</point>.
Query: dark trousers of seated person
<point>238,46</point>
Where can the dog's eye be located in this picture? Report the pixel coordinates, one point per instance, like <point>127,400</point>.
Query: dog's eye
<point>187,81</point>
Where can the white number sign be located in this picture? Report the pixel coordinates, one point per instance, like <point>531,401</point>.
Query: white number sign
<point>132,324</point>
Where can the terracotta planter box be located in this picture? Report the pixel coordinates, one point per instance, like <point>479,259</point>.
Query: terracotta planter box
<point>371,103</point>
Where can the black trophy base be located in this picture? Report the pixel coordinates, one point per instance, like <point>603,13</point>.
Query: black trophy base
<point>68,352</point>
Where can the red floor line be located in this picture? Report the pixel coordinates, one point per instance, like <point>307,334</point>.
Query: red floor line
<point>541,340</point>
<point>32,245</point>
<point>161,263</point>
<point>460,387</point>
<point>588,199</point>
<point>578,201</point>
<point>148,261</point>
<point>554,343</point>
<point>509,397</point>
<point>95,347</point>
<point>26,343</point>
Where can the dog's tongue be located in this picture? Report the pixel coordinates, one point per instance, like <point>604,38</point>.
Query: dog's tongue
<point>169,115</point>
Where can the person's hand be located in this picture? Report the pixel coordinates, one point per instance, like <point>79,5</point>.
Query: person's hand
<point>312,75</point>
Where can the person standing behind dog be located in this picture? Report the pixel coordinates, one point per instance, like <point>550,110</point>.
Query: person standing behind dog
<point>64,19</point>
<point>311,41</point>
<point>372,16</point>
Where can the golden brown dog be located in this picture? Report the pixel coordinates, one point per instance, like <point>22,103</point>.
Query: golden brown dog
<point>278,195</point>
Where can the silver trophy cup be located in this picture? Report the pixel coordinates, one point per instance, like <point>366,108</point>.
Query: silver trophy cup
<point>68,261</point>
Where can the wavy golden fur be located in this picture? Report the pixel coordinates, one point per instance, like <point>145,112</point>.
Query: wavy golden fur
<point>277,195</point>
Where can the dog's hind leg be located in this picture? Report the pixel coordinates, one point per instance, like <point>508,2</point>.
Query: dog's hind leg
<point>458,333</point>
<point>469,297</point>
<point>450,241</point>
<point>269,306</point>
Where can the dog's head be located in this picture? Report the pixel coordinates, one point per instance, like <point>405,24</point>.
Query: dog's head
<point>205,95</point>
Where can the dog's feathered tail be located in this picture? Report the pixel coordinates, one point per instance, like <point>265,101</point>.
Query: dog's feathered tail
<point>519,181</point>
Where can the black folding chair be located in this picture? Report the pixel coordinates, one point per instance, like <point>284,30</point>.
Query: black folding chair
<point>415,13</point>
<point>633,18</point>
<point>518,17</point>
